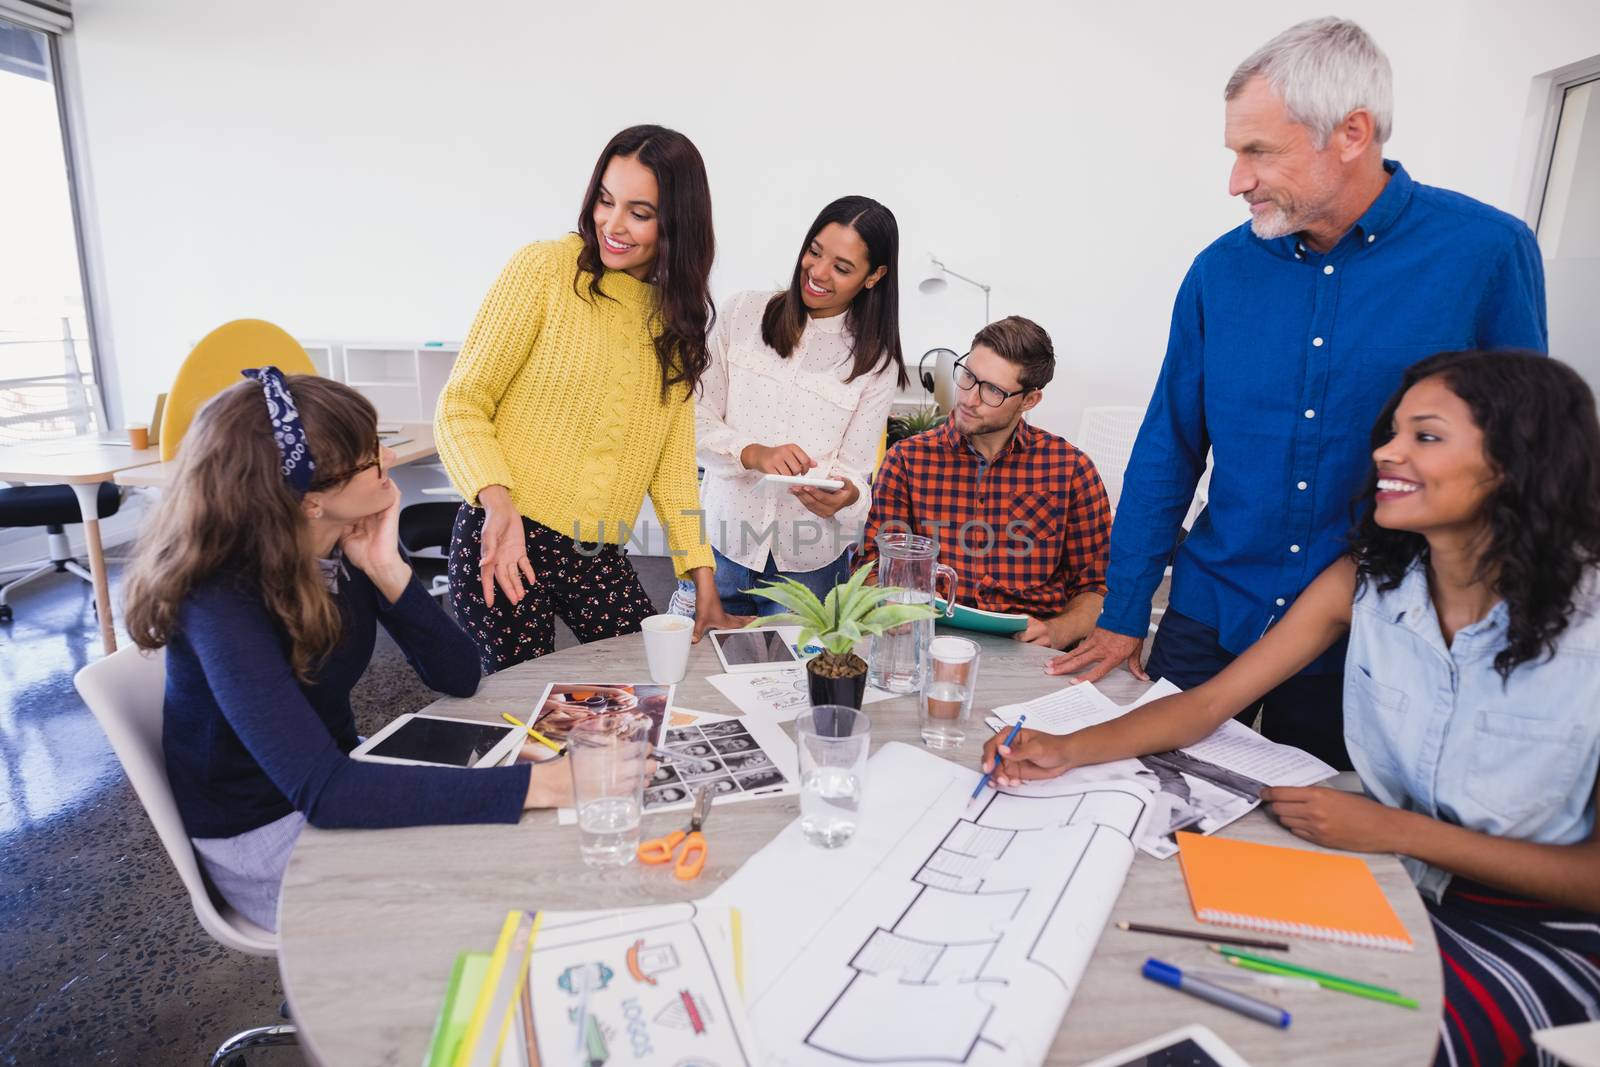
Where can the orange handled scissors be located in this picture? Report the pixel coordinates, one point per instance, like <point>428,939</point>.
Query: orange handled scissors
<point>693,858</point>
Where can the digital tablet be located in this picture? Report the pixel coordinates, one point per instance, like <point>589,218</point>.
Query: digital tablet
<point>435,741</point>
<point>815,481</point>
<point>761,649</point>
<point>1188,1046</point>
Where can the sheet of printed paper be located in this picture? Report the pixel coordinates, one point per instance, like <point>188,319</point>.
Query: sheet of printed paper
<point>947,931</point>
<point>774,695</point>
<point>736,758</point>
<point>1233,745</point>
<point>1201,787</point>
<point>652,986</point>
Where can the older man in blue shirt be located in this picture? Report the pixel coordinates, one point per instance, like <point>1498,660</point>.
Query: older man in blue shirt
<point>1288,335</point>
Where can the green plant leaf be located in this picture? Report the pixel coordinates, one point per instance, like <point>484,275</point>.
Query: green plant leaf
<point>889,616</point>
<point>779,620</point>
<point>794,596</point>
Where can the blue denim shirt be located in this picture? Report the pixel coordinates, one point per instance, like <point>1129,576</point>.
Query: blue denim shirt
<point>1431,729</point>
<point>1279,361</point>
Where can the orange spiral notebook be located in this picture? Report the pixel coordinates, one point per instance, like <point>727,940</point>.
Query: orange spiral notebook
<point>1288,891</point>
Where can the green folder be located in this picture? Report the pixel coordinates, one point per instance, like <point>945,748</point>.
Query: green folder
<point>989,622</point>
<point>466,979</point>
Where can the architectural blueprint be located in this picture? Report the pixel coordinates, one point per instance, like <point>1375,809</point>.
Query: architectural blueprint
<point>945,932</point>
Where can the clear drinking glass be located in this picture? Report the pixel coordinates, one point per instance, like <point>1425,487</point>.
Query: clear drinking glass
<point>947,695</point>
<point>833,741</point>
<point>608,753</point>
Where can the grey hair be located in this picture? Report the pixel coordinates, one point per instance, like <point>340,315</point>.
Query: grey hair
<point>1324,69</point>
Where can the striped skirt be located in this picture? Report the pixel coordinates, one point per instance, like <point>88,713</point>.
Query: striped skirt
<point>1511,966</point>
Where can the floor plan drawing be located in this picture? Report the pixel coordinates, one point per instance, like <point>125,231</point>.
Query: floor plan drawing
<point>947,933</point>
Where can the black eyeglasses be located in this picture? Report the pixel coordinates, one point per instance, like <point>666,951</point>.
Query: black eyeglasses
<point>988,392</point>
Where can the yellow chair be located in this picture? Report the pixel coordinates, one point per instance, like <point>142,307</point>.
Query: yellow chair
<point>215,364</point>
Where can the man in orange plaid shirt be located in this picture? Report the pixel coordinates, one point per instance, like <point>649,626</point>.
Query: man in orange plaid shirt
<point>1017,511</point>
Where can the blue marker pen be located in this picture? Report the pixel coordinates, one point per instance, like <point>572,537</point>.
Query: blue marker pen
<point>1259,1010</point>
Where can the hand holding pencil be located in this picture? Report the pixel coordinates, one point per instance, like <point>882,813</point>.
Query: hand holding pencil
<point>1025,755</point>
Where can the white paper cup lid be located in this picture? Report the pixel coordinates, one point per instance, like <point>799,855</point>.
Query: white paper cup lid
<point>952,649</point>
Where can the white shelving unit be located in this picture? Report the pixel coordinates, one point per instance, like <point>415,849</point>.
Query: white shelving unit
<point>402,379</point>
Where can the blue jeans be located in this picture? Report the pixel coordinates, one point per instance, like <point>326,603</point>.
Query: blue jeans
<point>1307,711</point>
<point>734,578</point>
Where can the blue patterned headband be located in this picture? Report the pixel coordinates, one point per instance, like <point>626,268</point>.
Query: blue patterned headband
<point>288,432</point>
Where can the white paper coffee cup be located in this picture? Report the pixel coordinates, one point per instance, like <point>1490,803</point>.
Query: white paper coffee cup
<point>666,646</point>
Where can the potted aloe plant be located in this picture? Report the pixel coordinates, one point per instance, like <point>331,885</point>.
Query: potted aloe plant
<point>851,611</point>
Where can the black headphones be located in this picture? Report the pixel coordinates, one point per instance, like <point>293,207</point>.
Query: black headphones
<point>926,377</point>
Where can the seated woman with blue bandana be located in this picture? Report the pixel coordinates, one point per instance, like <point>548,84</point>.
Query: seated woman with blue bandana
<point>265,573</point>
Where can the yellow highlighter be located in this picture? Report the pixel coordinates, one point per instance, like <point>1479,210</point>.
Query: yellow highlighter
<point>535,734</point>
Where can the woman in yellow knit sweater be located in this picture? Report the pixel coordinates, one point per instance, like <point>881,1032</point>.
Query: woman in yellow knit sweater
<point>573,396</point>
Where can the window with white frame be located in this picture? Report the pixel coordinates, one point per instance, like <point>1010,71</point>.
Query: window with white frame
<point>47,380</point>
<point>1567,217</point>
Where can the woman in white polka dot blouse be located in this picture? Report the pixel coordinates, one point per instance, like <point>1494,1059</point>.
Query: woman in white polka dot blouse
<point>800,383</point>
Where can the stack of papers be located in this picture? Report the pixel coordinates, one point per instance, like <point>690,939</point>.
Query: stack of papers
<point>1201,787</point>
<point>653,985</point>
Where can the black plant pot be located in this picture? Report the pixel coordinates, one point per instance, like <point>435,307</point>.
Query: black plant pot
<point>845,691</point>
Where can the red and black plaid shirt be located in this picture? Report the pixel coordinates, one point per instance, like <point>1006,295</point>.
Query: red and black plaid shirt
<point>1026,533</point>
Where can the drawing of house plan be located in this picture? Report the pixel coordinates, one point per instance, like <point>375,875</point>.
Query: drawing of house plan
<point>944,933</point>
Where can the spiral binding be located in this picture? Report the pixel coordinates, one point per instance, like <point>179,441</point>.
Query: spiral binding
<point>1321,933</point>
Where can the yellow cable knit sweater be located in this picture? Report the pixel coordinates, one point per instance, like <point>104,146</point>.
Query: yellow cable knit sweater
<point>559,400</point>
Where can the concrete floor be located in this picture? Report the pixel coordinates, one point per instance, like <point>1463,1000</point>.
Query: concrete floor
<point>106,963</point>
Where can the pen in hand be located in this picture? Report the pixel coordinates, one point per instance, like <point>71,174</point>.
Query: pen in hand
<point>1012,736</point>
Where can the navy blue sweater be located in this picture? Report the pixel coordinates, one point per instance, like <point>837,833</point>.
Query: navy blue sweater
<point>246,743</point>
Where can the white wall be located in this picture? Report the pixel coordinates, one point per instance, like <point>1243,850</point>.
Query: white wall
<point>362,170</point>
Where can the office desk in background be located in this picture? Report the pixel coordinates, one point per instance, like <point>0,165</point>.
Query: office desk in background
<point>416,442</point>
<point>83,463</point>
<point>371,920</point>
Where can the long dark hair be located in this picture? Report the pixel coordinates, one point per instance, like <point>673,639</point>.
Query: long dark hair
<point>874,315</point>
<point>230,510</point>
<point>684,250</point>
<point>1541,436</point>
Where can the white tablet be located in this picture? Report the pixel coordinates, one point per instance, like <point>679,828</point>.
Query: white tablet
<point>435,741</point>
<point>816,481</point>
<point>760,649</point>
<point>1190,1046</point>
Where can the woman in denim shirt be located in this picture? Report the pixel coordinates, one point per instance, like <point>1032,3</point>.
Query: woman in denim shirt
<point>1471,598</point>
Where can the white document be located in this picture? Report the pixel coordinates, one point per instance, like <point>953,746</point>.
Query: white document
<point>662,989</point>
<point>775,695</point>
<point>944,932</point>
<point>1201,787</point>
<point>1070,708</point>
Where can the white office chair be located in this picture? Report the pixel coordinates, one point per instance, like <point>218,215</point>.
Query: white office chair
<point>126,691</point>
<point>1107,435</point>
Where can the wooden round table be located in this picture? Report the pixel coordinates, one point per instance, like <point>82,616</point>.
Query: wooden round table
<point>372,920</point>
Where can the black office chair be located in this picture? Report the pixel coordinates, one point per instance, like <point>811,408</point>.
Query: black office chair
<point>425,526</point>
<point>55,507</point>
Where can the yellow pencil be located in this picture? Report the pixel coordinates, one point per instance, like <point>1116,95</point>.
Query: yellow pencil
<point>535,734</point>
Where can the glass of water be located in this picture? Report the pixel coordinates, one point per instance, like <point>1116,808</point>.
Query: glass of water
<point>833,741</point>
<point>608,754</point>
<point>946,703</point>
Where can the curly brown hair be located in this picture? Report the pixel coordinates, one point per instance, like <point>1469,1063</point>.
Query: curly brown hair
<point>229,511</point>
<point>1542,437</point>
